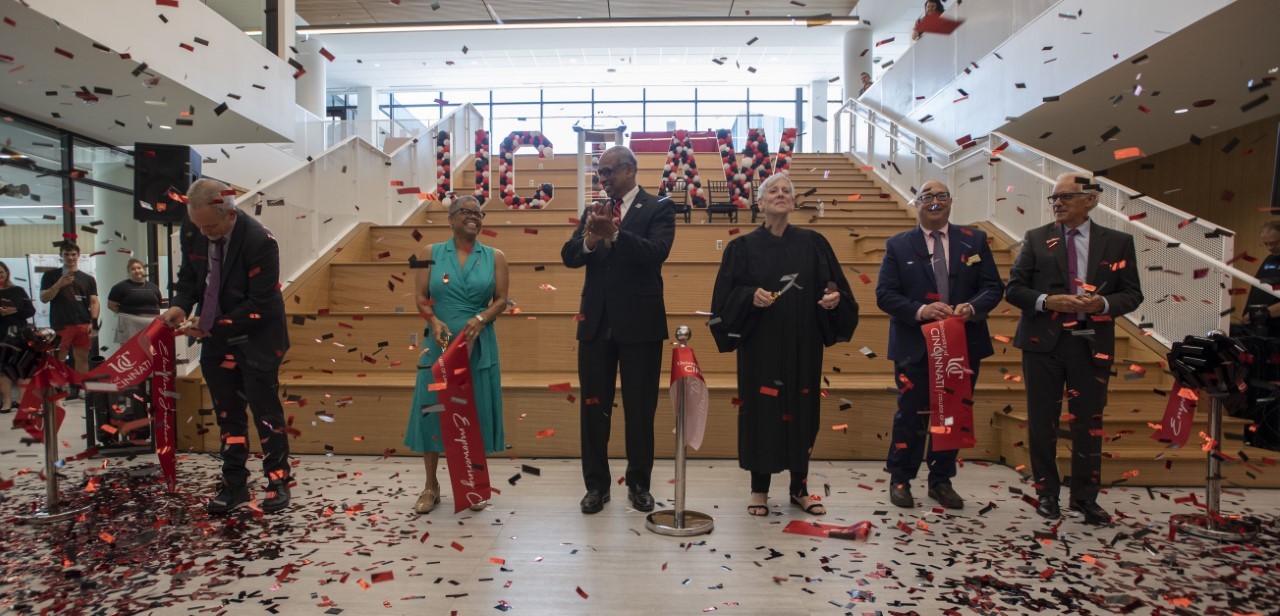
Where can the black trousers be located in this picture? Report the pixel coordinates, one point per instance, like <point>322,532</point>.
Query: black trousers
<point>911,428</point>
<point>598,363</point>
<point>1069,365</point>
<point>232,390</point>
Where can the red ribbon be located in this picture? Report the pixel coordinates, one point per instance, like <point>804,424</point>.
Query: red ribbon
<point>148,353</point>
<point>950,387</point>
<point>1179,412</point>
<point>686,373</point>
<point>460,427</point>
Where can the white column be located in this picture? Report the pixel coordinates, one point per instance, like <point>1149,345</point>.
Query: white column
<point>366,104</point>
<point>115,210</point>
<point>818,129</point>
<point>857,59</point>
<point>310,87</point>
<point>286,19</point>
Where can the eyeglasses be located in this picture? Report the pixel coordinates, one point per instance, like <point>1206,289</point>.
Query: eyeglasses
<point>930,197</point>
<point>1270,245</point>
<point>466,213</point>
<point>1064,196</point>
<point>605,172</point>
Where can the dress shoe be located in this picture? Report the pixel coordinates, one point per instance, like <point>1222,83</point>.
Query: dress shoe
<point>945,494</point>
<point>277,496</point>
<point>426,501</point>
<point>1093,514</point>
<point>900,495</point>
<point>228,500</point>
<point>1049,507</point>
<point>594,501</point>
<point>641,499</point>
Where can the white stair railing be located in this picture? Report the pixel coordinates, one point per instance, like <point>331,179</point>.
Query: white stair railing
<point>310,208</point>
<point>1186,263</point>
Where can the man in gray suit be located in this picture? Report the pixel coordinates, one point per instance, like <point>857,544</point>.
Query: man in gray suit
<point>1072,279</point>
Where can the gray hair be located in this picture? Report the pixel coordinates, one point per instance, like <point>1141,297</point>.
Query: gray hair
<point>777,177</point>
<point>207,192</point>
<point>457,203</point>
<point>1085,179</point>
<point>623,152</point>
<point>1271,225</point>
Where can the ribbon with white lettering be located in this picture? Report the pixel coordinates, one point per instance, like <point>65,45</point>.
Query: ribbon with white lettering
<point>686,374</point>
<point>460,426</point>
<point>950,387</point>
<point>1179,412</point>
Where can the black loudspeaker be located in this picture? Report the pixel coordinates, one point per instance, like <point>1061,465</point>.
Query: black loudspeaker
<point>160,173</point>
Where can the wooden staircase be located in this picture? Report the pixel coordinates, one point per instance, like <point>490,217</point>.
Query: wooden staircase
<point>348,379</point>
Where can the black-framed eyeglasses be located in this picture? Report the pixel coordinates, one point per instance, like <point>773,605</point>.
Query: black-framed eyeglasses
<point>1064,196</point>
<point>470,213</point>
<point>605,172</point>
<point>930,197</point>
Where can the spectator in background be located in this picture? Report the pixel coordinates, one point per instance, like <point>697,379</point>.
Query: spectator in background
<point>135,300</point>
<point>866,84</point>
<point>930,7</point>
<point>72,296</point>
<point>1268,273</point>
<point>16,310</point>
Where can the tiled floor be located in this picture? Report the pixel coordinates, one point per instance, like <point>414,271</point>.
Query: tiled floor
<point>351,545</point>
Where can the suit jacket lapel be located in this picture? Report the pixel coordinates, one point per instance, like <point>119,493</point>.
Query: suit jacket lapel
<point>1060,253</point>
<point>1097,238</point>
<point>633,210</point>
<point>920,246</point>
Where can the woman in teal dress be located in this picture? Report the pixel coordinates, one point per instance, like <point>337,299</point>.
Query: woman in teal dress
<point>463,290</point>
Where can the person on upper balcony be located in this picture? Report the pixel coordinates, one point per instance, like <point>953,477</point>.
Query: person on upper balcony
<point>1268,273</point>
<point>931,7</point>
<point>866,83</point>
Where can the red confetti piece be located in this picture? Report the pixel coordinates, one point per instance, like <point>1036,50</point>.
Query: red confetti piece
<point>327,54</point>
<point>582,593</point>
<point>548,433</point>
<point>530,231</point>
<point>489,232</point>
<point>1124,153</point>
<point>383,576</point>
<point>560,387</point>
<point>62,52</point>
<point>768,391</point>
<point>457,546</point>
<point>1138,216</point>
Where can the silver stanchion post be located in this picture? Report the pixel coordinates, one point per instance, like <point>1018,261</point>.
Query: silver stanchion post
<point>54,510</point>
<point>1212,524</point>
<point>679,522</point>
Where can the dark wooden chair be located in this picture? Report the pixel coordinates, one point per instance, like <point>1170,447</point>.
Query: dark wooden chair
<point>755,199</point>
<point>680,200</point>
<point>718,201</point>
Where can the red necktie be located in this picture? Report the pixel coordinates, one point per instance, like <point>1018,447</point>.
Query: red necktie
<point>617,209</point>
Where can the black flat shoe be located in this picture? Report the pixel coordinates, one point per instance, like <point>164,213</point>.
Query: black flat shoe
<point>641,499</point>
<point>900,495</point>
<point>277,497</point>
<point>945,494</point>
<point>1049,507</point>
<point>594,501</point>
<point>1094,515</point>
<point>228,499</point>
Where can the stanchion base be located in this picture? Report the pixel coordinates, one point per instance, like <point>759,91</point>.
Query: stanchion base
<point>664,523</point>
<point>44,516</point>
<point>1201,525</point>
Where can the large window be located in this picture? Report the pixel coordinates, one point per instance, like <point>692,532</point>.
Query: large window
<point>555,111</point>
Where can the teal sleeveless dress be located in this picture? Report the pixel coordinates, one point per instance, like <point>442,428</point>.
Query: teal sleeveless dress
<point>468,291</point>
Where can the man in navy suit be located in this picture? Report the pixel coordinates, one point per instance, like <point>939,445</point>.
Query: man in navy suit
<point>935,271</point>
<point>622,243</point>
<point>231,269</point>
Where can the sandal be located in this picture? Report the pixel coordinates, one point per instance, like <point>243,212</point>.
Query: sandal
<point>812,504</point>
<point>426,501</point>
<point>759,509</point>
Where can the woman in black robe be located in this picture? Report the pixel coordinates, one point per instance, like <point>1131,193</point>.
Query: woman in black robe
<point>779,298</point>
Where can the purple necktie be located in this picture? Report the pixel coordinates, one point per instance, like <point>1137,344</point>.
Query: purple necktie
<point>209,306</point>
<point>1071,261</point>
<point>940,272</point>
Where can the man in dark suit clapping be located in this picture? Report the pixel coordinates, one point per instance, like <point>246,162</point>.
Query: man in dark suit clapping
<point>935,271</point>
<point>623,321</point>
<point>231,268</point>
<point>1072,279</point>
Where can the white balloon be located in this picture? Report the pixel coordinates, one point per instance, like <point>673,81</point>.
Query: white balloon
<point>446,201</point>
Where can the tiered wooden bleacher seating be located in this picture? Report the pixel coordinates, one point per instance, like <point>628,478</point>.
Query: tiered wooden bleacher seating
<point>348,379</point>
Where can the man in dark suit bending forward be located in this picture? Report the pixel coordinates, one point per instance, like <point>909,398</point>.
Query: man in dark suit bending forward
<point>623,321</point>
<point>231,268</point>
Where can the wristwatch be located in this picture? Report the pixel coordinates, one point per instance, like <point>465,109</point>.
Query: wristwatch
<point>480,317</point>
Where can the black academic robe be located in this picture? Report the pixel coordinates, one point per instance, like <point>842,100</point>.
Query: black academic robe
<point>779,347</point>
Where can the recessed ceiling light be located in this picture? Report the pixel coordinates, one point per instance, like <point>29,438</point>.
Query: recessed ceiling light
<point>1180,110</point>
